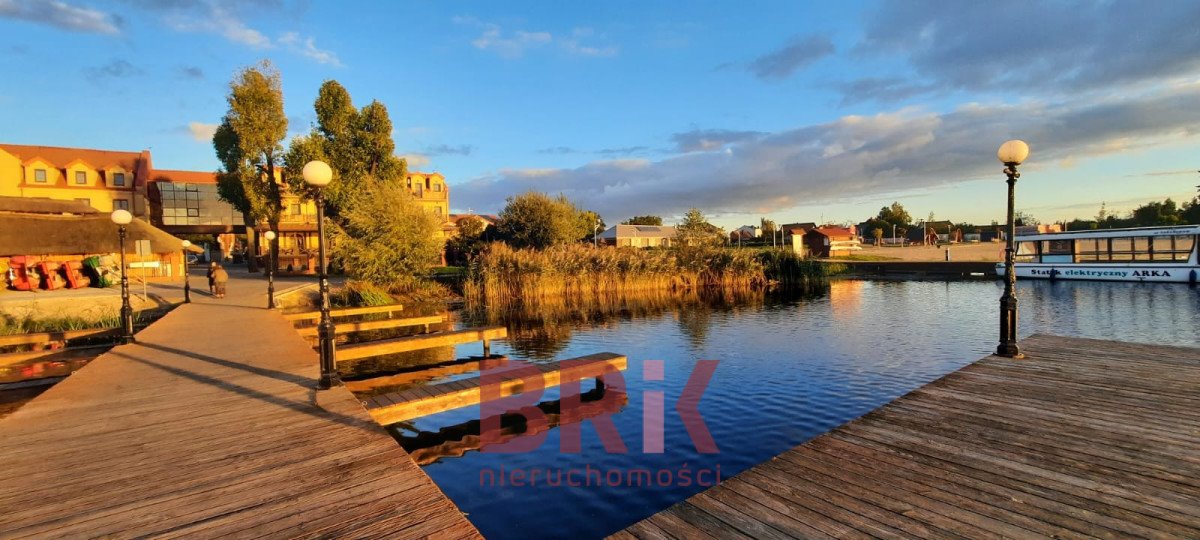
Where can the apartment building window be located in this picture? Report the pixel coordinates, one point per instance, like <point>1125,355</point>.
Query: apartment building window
<point>437,187</point>
<point>80,177</point>
<point>294,209</point>
<point>119,179</point>
<point>84,201</point>
<point>39,176</point>
<point>120,204</point>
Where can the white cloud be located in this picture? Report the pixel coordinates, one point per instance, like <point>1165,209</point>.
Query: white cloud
<point>415,161</point>
<point>514,44</point>
<point>214,17</point>
<point>855,156</point>
<point>308,48</point>
<point>202,132</point>
<point>62,15</point>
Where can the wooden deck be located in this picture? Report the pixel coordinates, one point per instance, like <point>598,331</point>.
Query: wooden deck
<point>426,400</point>
<point>1084,438</point>
<point>209,426</point>
<point>418,342</point>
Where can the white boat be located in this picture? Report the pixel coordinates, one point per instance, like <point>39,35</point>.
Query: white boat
<point>1160,254</point>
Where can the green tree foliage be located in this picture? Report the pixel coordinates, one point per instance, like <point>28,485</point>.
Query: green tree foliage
<point>248,142</point>
<point>696,232</point>
<point>467,242</point>
<point>1157,213</point>
<point>894,215</point>
<point>386,238</point>
<point>592,223</point>
<point>643,220</point>
<point>768,226</point>
<point>357,145</point>
<point>536,220</point>
<point>1191,212</point>
<point>1023,218</point>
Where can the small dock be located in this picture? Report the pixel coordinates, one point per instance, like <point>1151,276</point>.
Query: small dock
<point>210,426</point>
<point>1084,438</point>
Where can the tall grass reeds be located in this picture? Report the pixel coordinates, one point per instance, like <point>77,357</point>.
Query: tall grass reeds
<point>501,274</point>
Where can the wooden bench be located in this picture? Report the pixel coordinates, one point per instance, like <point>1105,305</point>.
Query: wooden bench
<point>426,400</point>
<point>316,315</point>
<point>423,341</point>
<point>12,359</point>
<point>51,337</point>
<point>363,326</point>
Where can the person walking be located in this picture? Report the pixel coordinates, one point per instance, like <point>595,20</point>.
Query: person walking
<point>211,268</point>
<point>220,278</point>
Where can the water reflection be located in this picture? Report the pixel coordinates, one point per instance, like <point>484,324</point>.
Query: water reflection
<point>427,447</point>
<point>792,366</point>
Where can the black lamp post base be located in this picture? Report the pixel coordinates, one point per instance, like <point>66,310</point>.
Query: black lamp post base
<point>328,381</point>
<point>1009,350</point>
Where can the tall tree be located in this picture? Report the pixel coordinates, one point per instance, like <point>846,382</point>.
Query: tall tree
<point>536,220</point>
<point>895,215</point>
<point>387,238</point>
<point>768,226</point>
<point>249,144</point>
<point>1156,213</point>
<point>643,220</point>
<point>696,232</point>
<point>357,145</point>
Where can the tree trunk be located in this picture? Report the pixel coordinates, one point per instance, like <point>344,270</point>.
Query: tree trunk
<point>251,245</point>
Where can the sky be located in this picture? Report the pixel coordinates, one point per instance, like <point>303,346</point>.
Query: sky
<point>793,111</point>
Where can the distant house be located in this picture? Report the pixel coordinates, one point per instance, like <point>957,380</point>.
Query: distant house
<point>744,233</point>
<point>795,229</point>
<point>831,241</point>
<point>638,236</point>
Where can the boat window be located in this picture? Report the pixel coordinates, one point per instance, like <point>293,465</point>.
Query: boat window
<point>1057,247</point>
<point>1173,248</point>
<point>1026,252</point>
<point>1091,249</point>
<point>1122,249</point>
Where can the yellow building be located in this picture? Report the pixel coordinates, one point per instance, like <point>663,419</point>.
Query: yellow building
<point>105,180</point>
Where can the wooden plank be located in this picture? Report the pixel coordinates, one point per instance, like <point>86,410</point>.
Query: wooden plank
<point>181,434</point>
<point>363,326</point>
<point>420,402</point>
<point>51,337</point>
<point>416,343</point>
<point>344,312</point>
<point>12,359</point>
<point>1082,439</point>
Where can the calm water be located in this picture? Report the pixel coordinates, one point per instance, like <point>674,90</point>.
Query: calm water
<point>791,367</point>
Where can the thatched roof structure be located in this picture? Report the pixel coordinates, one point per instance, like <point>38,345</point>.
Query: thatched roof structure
<point>36,205</point>
<point>49,227</point>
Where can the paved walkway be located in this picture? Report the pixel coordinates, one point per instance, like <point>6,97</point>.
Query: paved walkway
<point>210,426</point>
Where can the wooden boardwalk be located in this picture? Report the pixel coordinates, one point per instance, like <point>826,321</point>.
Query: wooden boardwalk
<point>1083,439</point>
<point>209,426</point>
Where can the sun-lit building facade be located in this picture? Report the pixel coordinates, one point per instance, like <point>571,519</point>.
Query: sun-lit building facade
<point>103,179</point>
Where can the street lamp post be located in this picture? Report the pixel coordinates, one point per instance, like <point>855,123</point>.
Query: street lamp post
<point>270,236</point>
<point>1012,154</point>
<point>187,284</point>
<point>123,218</point>
<point>318,174</point>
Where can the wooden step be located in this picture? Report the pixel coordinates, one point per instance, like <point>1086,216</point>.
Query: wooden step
<point>363,326</point>
<point>426,400</point>
<point>423,341</point>
<point>346,312</point>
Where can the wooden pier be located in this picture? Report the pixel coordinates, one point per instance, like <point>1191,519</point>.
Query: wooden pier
<point>1084,438</point>
<point>418,342</point>
<point>210,426</point>
<point>426,400</point>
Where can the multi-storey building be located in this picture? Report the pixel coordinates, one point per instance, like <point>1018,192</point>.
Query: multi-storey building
<point>103,179</point>
<point>179,202</point>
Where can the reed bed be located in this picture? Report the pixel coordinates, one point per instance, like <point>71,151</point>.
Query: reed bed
<point>502,274</point>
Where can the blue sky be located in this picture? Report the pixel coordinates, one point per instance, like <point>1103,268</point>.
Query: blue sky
<point>790,110</point>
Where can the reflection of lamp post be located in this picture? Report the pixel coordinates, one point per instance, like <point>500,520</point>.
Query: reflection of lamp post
<point>123,218</point>
<point>1011,153</point>
<point>187,285</point>
<point>318,174</point>
<point>270,236</point>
